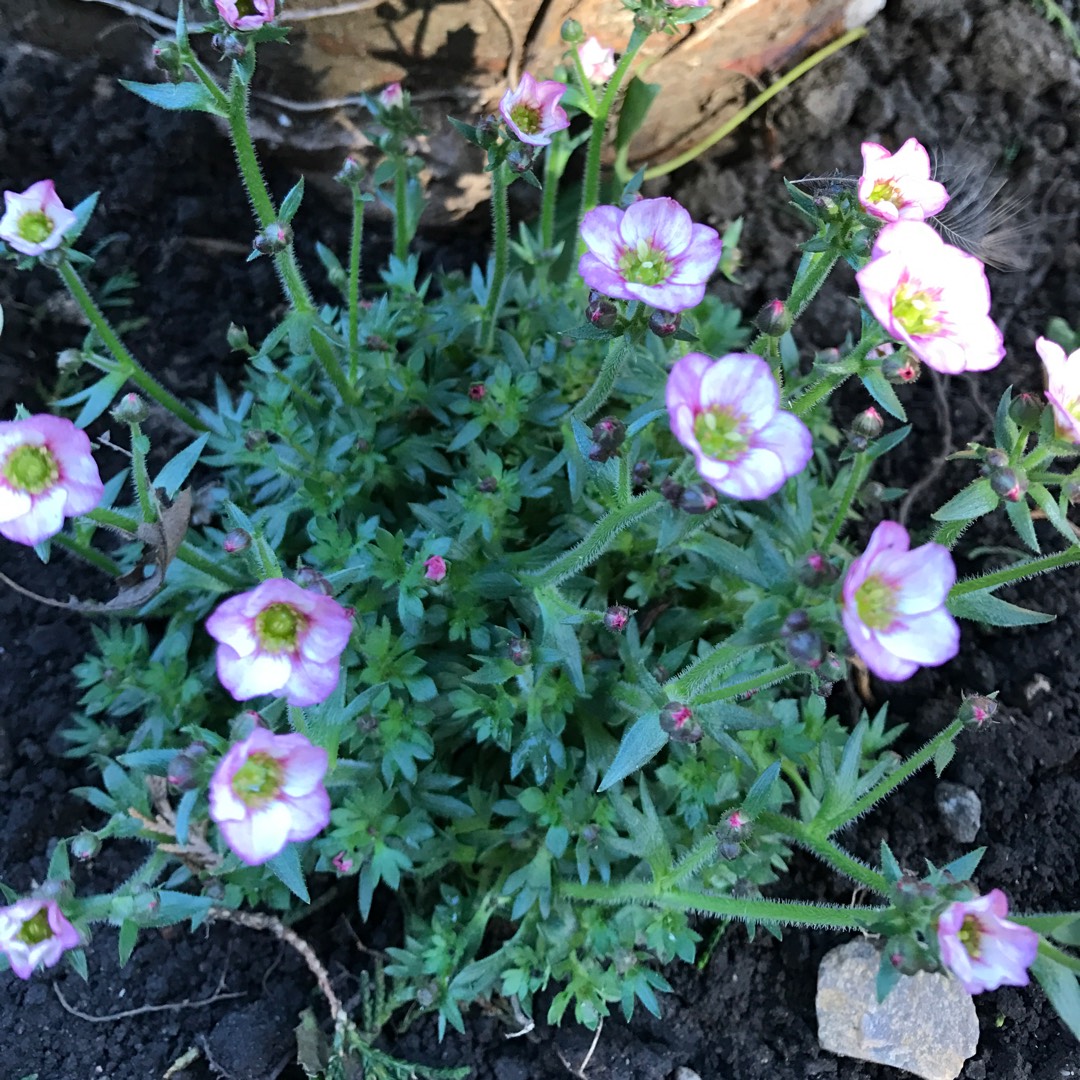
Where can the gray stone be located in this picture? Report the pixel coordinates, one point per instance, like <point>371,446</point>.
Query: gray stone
<point>926,1026</point>
<point>960,809</point>
<point>683,1073</point>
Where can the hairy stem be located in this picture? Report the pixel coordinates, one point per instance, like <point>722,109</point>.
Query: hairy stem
<point>355,249</point>
<point>1017,572</point>
<point>500,237</point>
<point>618,353</point>
<point>860,468</point>
<point>401,210</point>
<point>707,668</point>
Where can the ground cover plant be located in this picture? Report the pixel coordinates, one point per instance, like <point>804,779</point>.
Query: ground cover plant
<point>692,592</point>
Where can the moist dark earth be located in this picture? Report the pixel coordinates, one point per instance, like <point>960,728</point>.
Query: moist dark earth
<point>983,78</point>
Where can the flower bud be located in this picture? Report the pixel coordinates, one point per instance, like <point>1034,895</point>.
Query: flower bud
<point>806,648</point>
<point>236,337</point>
<point>342,863</point>
<point>608,435</point>
<point>435,569</point>
<point>144,901</point>
<point>590,833</point>
<point>487,485</point>
<point>85,846</point>
<point>351,171</point>
<point>487,131</point>
<point>183,771</point>
<point>273,239</point>
<point>236,540</point>
<point>167,57</point>
<point>640,474</point>
<point>869,424</point>
<point>69,360</point>
<point>130,409</point>
<point>672,490</point>
<point>601,312</point>
<point>901,368</point>
<point>858,443</point>
<point>307,577</point>
<point>1008,484</point>
<point>520,157</point>
<point>699,499</point>
<point>796,622</point>
<point>871,493</point>
<point>977,709</point>
<point>664,323</point>
<point>994,459</point>
<point>1026,410</point>
<point>1071,491</point>
<point>616,617</point>
<point>814,569</point>
<point>477,392</point>
<point>573,33</point>
<point>773,320</point>
<point>677,720</point>
<point>230,46</point>
<point>520,651</point>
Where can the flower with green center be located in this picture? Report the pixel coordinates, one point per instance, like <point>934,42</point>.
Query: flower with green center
<point>932,297</point>
<point>532,111</point>
<point>35,220</point>
<point>652,251</point>
<point>280,639</point>
<point>268,791</point>
<point>35,933</point>
<point>1062,387</point>
<point>898,186</point>
<point>245,14</point>
<point>981,947</point>
<point>893,604</point>
<point>47,473</point>
<point>727,413</point>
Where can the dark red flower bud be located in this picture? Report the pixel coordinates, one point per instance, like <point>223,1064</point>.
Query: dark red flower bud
<point>640,474</point>
<point>672,490</point>
<point>795,623</point>
<point>601,312</point>
<point>273,239</point>
<point>477,392</point>
<point>814,570</point>
<point>774,319</point>
<point>994,459</point>
<point>608,435</point>
<point>664,323</point>
<point>520,157</point>
<point>307,577</point>
<point>677,720</point>
<point>616,617</point>
<point>236,540</point>
<point>977,709</point>
<point>699,499</point>
<point>901,367</point>
<point>519,651</point>
<point>869,424</point>
<point>1008,484</point>
<point>806,648</point>
<point>487,485</point>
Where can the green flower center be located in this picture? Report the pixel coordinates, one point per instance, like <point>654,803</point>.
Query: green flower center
<point>278,627</point>
<point>527,118</point>
<point>916,311</point>
<point>258,780</point>
<point>875,602</point>
<point>970,936</point>
<point>245,8</point>
<point>719,433</point>
<point>644,265</point>
<point>36,930</point>
<point>35,226</point>
<point>885,191</point>
<point>31,469</point>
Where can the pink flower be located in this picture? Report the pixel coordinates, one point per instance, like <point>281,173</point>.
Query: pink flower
<point>933,297</point>
<point>898,186</point>
<point>894,604</point>
<point>727,413</point>
<point>245,14</point>
<point>982,948</point>
<point>1062,387</point>
<point>35,221</point>
<point>267,791</point>
<point>391,97</point>
<point>651,252</point>
<point>47,473</point>
<point>35,932</point>
<point>687,3</point>
<point>435,569</point>
<point>341,863</point>
<point>280,639</point>
<point>597,62</point>
<point>532,111</point>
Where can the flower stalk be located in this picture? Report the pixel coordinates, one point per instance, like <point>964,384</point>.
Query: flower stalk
<point>500,228</point>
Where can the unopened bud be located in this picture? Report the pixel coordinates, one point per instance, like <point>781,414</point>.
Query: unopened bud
<point>994,459</point>
<point>601,312</point>
<point>1008,484</point>
<point>572,32</point>
<point>608,435</point>
<point>977,709</point>
<point>699,499</point>
<point>616,617</point>
<point>477,392</point>
<point>183,770</point>
<point>255,439</point>
<point>520,651</point>
<point>672,490</point>
<point>590,833</point>
<point>1071,490</point>
<point>487,485</point>
<point>85,846</point>
<point>858,443</point>
<point>677,720</point>
<point>795,623</point>
<point>130,409</point>
<point>166,56</point>
<point>69,360</point>
<point>871,493</point>
<point>1027,410</point>
<point>520,157</point>
<point>236,337</point>
<point>273,239</point>
<point>341,862</point>
<point>664,323</point>
<point>806,648</point>
<point>236,540</point>
<point>640,474</point>
<point>869,424</point>
<point>307,577</point>
<point>145,901</point>
<point>487,131</point>
<point>773,320</point>
<point>901,368</point>
<point>230,46</point>
<point>814,569</point>
<point>351,171</point>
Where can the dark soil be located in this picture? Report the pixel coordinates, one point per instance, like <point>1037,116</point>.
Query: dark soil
<point>981,75</point>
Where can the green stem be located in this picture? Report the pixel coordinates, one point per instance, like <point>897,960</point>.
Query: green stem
<point>618,352</point>
<point>133,369</point>
<point>88,554</point>
<point>1052,952</point>
<point>748,110</point>
<point>704,670</point>
<point>140,474</point>
<point>401,210</point>
<point>1017,572</point>
<point>552,173</point>
<point>591,192</point>
<point>807,402</point>
<point>787,912</point>
<point>500,237</point>
<point>186,553</point>
<point>872,336</point>
<point>860,468</point>
<point>594,545</point>
<point>586,87</point>
<point>355,249</point>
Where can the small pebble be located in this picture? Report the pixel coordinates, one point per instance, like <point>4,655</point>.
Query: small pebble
<point>960,809</point>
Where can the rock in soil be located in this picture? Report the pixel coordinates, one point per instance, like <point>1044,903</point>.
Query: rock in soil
<point>926,1026</point>
<point>960,809</point>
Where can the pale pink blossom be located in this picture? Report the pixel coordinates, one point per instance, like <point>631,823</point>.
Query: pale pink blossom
<point>597,62</point>
<point>392,97</point>
<point>280,639</point>
<point>435,569</point>
<point>898,186</point>
<point>982,948</point>
<point>35,933</point>
<point>47,473</point>
<point>245,14</point>
<point>932,297</point>
<point>35,220</point>
<point>532,110</point>
<point>893,606</point>
<point>1062,387</point>
<point>652,251</point>
<point>688,3</point>
<point>268,791</point>
<point>727,413</point>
